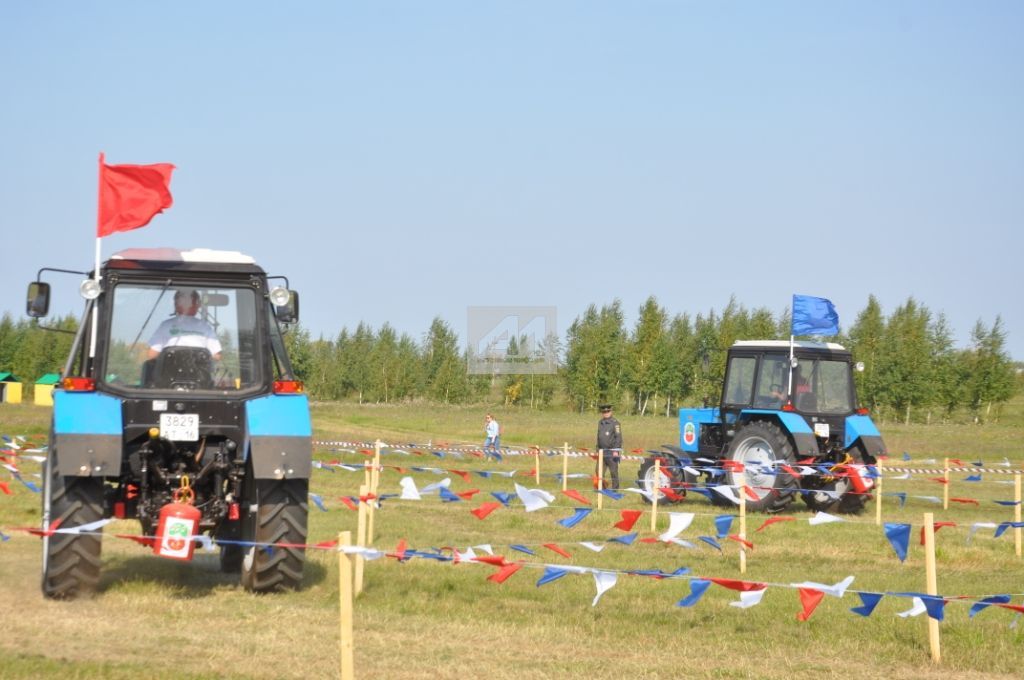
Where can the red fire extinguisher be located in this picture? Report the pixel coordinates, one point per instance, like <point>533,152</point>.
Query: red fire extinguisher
<point>179,523</point>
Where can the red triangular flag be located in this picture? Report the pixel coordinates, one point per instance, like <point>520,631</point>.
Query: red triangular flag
<point>810,600</point>
<point>575,495</point>
<point>399,553</point>
<point>468,495</point>
<point>736,537</point>
<point>965,500</point>
<point>772,520</point>
<point>461,473</point>
<point>936,526</point>
<point>141,540</point>
<point>5,488</point>
<point>502,574</point>
<point>554,548</point>
<point>485,509</point>
<point>743,586</point>
<point>131,195</point>
<point>349,502</point>
<point>629,518</point>
<point>496,560</point>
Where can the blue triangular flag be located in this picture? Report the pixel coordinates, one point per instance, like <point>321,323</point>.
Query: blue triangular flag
<point>522,549</point>
<point>698,587</point>
<point>899,538</point>
<point>1010,503</point>
<point>723,523</point>
<point>933,604</point>
<point>578,516</point>
<point>439,454</point>
<point>973,478</point>
<point>4,537</point>
<point>502,496</point>
<point>625,540</point>
<point>982,604</point>
<point>446,495</point>
<point>868,603</point>
<point>318,501</point>
<point>611,494</point>
<point>551,574</point>
<point>486,474</point>
<point>712,542</point>
<point>707,493</point>
<point>906,456</point>
<point>1003,526</point>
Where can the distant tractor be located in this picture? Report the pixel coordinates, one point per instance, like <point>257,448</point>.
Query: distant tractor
<point>192,432</point>
<point>788,423</point>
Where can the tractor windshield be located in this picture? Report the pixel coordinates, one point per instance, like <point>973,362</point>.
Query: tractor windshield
<point>183,337</point>
<point>822,386</point>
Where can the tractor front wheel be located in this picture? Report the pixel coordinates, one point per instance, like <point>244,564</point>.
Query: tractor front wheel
<point>762,448</point>
<point>279,518</point>
<point>669,476</point>
<point>837,494</point>
<point>71,562</point>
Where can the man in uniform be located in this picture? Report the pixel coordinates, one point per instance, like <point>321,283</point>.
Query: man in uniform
<point>609,443</point>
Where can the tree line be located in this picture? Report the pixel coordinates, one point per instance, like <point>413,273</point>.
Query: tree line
<point>913,370</point>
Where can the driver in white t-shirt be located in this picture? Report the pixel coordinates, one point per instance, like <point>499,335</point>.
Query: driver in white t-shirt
<point>184,329</point>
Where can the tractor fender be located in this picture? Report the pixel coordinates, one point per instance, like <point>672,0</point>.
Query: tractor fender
<point>280,436</point>
<point>792,424</point>
<point>861,429</point>
<point>87,431</point>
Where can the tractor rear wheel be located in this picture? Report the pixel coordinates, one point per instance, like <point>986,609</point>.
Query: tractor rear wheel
<point>670,476</point>
<point>762,447</point>
<point>279,517</point>
<point>71,562</point>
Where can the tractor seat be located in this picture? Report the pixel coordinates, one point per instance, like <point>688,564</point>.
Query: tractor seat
<point>182,368</point>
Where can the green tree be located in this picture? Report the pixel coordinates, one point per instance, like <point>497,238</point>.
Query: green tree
<point>991,375</point>
<point>866,344</point>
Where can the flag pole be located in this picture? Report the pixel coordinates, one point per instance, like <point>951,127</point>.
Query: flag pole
<point>96,271</point>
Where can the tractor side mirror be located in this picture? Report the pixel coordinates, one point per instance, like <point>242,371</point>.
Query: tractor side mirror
<point>288,311</point>
<point>859,367</point>
<point>38,303</point>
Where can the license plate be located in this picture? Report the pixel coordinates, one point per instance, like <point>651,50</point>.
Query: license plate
<point>179,427</point>
<point>821,429</point>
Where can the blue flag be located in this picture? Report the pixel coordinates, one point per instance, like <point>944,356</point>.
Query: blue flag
<point>814,316</point>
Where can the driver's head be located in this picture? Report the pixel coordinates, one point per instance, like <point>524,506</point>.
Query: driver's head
<point>186,301</point>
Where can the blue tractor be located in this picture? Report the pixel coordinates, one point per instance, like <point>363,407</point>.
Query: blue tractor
<point>788,423</point>
<point>149,417</point>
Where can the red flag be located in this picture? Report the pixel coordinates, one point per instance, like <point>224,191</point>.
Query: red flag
<point>131,195</point>
<point>575,495</point>
<point>809,599</point>
<point>485,509</point>
<point>629,518</point>
<point>555,548</point>
<point>507,570</point>
<point>772,520</point>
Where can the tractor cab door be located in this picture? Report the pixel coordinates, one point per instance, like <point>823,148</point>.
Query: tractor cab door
<point>738,393</point>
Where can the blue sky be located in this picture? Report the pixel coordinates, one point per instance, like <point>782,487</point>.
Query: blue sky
<point>402,160</point>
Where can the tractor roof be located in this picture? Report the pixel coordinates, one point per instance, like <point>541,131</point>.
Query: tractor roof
<point>197,259</point>
<point>784,344</point>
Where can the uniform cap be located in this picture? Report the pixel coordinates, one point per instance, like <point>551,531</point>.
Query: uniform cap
<point>605,407</point>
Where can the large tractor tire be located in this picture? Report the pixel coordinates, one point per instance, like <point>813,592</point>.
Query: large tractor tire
<point>71,563</point>
<point>670,475</point>
<point>279,516</point>
<point>837,493</point>
<point>762,447</point>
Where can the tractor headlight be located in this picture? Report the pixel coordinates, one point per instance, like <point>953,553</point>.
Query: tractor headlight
<point>90,289</point>
<point>279,296</point>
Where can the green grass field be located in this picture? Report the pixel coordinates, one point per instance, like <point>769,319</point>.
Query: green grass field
<point>425,619</point>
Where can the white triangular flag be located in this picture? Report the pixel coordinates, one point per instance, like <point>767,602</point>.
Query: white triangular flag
<point>678,523</point>
<point>409,490</point>
<point>838,590</point>
<point>605,581</point>
<point>727,493</point>
<point>749,598</point>
<point>916,610</point>
<point>533,499</point>
<point>824,518</point>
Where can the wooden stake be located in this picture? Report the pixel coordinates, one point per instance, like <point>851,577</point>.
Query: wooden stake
<point>945,487</point>
<point>654,494</point>
<point>565,466</point>
<point>361,539</point>
<point>536,468</point>
<point>743,528</point>
<point>1016,513</point>
<point>931,583</point>
<point>600,477</point>
<point>371,508</point>
<point>878,493</point>
<point>347,645</point>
